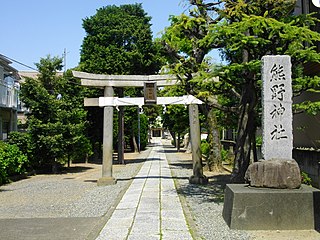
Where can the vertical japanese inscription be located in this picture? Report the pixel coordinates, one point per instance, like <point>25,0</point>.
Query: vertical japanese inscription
<point>277,107</point>
<point>278,91</point>
<point>150,92</point>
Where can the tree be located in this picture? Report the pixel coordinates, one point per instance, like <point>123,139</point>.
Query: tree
<point>254,29</point>
<point>119,41</point>
<point>56,119</point>
<point>175,117</point>
<point>245,31</point>
<point>183,42</point>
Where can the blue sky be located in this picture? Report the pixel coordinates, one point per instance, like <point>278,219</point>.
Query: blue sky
<point>32,29</point>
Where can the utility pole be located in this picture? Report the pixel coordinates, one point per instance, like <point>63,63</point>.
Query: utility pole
<point>139,129</point>
<point>65,59</point>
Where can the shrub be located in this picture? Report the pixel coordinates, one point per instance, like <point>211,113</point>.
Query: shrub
<point>205,148</point>
<point>23,141</point>
<point>305,179</point>
<point>224,155</point>
<point>12,161</point>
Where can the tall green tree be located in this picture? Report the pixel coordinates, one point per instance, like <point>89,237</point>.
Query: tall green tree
<point>119,41</point>
<point>187,54</point>
<point>245,31</point>
<point>56,120</point>
<point>253,29</point>
<point>176,119</point>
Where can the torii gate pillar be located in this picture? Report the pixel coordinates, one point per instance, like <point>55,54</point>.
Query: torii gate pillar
<point>107,151</point>
<point>108,102</point>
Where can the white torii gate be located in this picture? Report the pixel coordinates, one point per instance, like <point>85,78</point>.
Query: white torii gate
<point>109,101</point>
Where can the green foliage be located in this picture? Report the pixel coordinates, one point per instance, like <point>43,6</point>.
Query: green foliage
<point>205,148</point>
<point>143,131</point>
<point>46,67</point>
<point>57,121</point>
<point>244,31</point>
<point>23,141</point>
<point>264,28</point>
<point>119,41</point>
<point>224,155</point>
<point>256,27</point>
<point>259,140</point>
<point>152,112</point>
<point>12,161</point>
<point>305,179</point>
<point>176,119</point>
<point>131,119</point>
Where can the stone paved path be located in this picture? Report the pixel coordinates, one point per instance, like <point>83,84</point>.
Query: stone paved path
<point>150,209</point>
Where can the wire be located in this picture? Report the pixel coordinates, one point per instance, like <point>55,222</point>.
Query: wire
<point>13,60</point>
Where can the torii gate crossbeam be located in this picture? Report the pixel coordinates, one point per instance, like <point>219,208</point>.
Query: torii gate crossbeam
<point>108,102</point>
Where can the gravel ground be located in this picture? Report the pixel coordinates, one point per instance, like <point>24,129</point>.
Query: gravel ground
<point>205,203</point>
<point>73,194</point>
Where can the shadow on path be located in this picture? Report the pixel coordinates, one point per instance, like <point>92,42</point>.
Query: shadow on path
<point>212,192</point>
<point>150,177</point>
<point>181,165</point>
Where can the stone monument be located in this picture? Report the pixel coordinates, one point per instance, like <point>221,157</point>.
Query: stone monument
<point>274,198</point>
<point>277,169</point>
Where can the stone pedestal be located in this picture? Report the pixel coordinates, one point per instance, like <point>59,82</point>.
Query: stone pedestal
<point>249,208</point>
<point>105,181</point>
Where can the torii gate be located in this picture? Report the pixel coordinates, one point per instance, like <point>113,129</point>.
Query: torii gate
<point>109,101</point>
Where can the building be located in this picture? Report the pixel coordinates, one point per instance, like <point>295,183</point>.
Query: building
<point>9,101</point>
<point>306,126</point>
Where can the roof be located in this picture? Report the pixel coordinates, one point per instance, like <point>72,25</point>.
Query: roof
<point>5,63</point>
<point>28,74</point>
<point>32,74</point>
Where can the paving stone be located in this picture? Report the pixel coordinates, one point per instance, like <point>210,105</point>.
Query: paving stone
<point>138,236</point>
<point>174,235</point>
<point>123,213</point>
<point>153,195</point>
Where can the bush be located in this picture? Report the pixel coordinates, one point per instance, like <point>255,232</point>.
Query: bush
<point>224,155</point>
<point>23,141</point>
<point>12,161</point>
<point>205,148</point>
<point>305,179</point>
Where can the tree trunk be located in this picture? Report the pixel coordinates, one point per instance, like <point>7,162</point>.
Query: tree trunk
<point>121,130</point>
<point>173,134</point>
<point>69,161</point>
<point>214,161</point>
<point>135,145</point>
<point>178,143</point>
<point>245,141</point>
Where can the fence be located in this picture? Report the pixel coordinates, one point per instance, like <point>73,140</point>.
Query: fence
<point>8,96</point>
<point>309,162</point>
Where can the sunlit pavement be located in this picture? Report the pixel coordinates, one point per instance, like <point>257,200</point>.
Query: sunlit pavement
<point>150,208</point>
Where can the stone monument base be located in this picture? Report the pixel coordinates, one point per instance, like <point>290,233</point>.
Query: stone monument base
<point>274,173</point>
<point>249,208</point>
<point>105,181</point>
